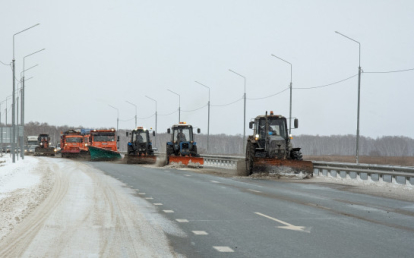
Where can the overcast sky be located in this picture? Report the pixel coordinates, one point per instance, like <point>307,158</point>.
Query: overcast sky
<point>109,52</point>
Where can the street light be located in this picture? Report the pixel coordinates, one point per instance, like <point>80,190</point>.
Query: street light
<point>135,112</point>
<point>14,72</point>
<point>290,105</point>
<point>156,133</point>
<point>117,122</point>
<point>208,125</point>
<point>244,122</point>
<point>179,104</point>
<point>359,94</point>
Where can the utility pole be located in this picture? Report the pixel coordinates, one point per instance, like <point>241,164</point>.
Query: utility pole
<point>208,120</point>
<point>244,121</point>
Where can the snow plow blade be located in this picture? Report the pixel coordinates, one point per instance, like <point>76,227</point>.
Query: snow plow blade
<point>100,154</point>
<point>186,161</point>
<point>143,159</point>
<point>44,151</point>
<point>275,165</point>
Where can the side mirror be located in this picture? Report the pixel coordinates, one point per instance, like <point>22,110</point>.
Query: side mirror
<point>296,123</point>
<point>251,125</point>
<point>198,130</point>
<point>118,139</point>
<point>153,133</point>
<point>127,134</point>
<point>168,130</point>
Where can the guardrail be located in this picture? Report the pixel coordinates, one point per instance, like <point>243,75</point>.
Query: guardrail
<point>375,173</point>
<point>227,162</point>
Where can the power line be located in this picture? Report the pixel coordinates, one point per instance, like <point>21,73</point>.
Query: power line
<point>270,95</point>
<point>228,103</point>
<point>326,85</point>
<point>169,113</point>
<point>195,109</point>
<point>4,63</point>
<point>396,71</point>
<point>146,117</point>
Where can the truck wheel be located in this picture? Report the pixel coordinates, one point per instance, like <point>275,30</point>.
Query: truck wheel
<point>249,158</point>
<point>296,155</point>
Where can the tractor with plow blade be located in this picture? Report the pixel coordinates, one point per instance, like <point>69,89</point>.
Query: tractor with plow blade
<point>44,149</point>
<point>140,147</point>
<point>182,149</point>
<point>270,148</point>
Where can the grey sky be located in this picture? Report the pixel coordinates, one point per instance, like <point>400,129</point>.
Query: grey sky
<point>108,52</point>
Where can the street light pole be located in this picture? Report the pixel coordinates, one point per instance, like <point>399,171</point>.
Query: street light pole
<point>208,124</point>
<point>359,94</point>
<point>135,112</point>
<point>244,122</point>
<point>179,104</point>
<point>117,123</point>
<point>13,105</point>
<point>290,105</point>
<point>156,119</point>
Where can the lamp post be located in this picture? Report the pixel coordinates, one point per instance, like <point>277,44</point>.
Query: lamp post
<point>117,122</point>
<point>13,105</point>
<point>156,132</point>
<point>135,112</point>
<point>179,104</point>
<point>244,122</point>
<point>208,123</point>
<point>359,94</point>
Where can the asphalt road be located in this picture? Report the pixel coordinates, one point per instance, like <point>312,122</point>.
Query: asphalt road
<point>244,217</point>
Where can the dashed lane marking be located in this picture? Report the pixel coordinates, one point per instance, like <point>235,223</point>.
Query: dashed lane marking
<point>141,193</point>
<point>214,181</point>
<point>252,190</point>
<point>182,220</point>
<point>149,198</point>
<point>187,175</point>
<point>158,204</point>
<point>168,211</point>
<point>223,249</point>
<point>200,233</point>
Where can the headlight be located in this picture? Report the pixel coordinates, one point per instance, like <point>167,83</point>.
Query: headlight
<point>86,144</point>
<point>257,137</point>
<point>55,150</point>
<point>290,136</point>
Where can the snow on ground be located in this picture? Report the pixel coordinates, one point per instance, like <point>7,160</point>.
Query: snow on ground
<point>80,212</point>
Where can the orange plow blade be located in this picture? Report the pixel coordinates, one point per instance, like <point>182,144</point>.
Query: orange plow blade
<point>277,165</point>
<point>186,161</point>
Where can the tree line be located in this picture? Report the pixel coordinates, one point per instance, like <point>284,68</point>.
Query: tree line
<point>315,145</point>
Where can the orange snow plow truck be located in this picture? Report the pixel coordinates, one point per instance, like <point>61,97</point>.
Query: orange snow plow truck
<point>73,145</point>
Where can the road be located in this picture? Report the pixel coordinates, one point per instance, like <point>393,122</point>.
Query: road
<point>244,217</point>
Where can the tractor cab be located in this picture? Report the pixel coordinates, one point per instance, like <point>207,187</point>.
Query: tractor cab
<point>140,142</point>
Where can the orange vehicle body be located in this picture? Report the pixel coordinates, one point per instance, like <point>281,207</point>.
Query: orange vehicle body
<point>71,143</point>
<point>104,139</point>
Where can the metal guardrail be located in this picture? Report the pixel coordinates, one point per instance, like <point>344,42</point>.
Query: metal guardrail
<point>371,172</point>
<point>227,162</point>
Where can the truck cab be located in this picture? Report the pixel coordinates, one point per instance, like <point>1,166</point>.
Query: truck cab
<point>182,140</point>
<point>104,139</point>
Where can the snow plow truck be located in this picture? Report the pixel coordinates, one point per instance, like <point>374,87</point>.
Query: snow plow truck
<point>140,147</point>
<point>270,149</point>
<point>44,149</point>
<point>182,149</point>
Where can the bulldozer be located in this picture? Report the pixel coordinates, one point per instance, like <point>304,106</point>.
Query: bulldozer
<point>140,147</point>
<point>44,149</point>
<point>270,149</point>
<point>182,149</point>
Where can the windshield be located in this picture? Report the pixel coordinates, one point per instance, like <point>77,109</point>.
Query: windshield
<point>182,134</point>
<point>140,137</point>
<point>277,127</point>
<point>104,138</point>
<point>32,143</point>
<point>73,139</point>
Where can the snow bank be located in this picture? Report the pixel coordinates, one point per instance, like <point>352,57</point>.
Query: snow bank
<point>19,175</point>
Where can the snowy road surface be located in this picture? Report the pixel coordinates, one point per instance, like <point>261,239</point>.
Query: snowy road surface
<point>61,208</point>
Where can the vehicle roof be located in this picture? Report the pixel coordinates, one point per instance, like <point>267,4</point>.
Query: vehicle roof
<point>270,116</point>
<point>182,125</point>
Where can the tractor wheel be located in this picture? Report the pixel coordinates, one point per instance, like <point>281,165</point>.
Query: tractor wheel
<point>194,152</point>
<point>169,152</point>
<point>249,158</point>
<point>296,155</point>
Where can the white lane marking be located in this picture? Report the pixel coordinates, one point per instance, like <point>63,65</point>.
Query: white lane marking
<point>187,175</point>
<point>181,220</point>
<point>168,211</point>
<point>223,249</point>
<point>214,181</point>
<point>287,225</point>
<point>252,190</point>
<point>141,193</point>
<point>158,204</point>
<point>200,233</point>
<point>149,198</point>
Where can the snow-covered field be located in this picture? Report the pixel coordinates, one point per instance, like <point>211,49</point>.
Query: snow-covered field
<point>52,207</point>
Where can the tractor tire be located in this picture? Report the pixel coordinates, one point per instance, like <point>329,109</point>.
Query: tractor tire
<point>296,155</point>
<point>169,151</point>
<point>194,152</point>
<point>249,158</point>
